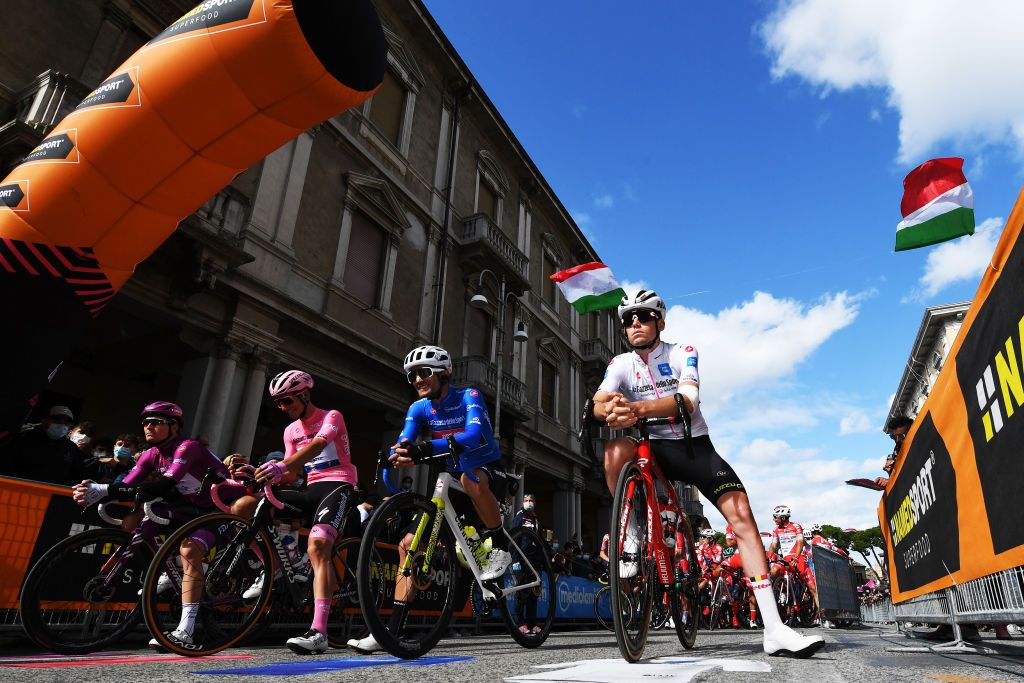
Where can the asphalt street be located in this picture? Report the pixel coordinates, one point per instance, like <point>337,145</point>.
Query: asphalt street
<point>857,654</point>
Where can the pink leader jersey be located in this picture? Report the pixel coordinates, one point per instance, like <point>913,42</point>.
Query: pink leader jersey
<point>335,461</point>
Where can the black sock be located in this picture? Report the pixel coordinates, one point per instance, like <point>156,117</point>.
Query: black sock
<point>397,621</point>
<point>499,539</point>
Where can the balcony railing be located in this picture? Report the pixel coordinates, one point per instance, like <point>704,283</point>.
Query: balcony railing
<point>226,212</point>
<point>479,372</point>
<point>595,349</point>
<point>48,99</point>
<point>480,229</point>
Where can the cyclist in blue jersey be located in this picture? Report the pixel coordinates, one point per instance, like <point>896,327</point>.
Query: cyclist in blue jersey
<point>445,410</point>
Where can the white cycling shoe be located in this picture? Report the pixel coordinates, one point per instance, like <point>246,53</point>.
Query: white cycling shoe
<point>366,646</point>
<point>254,591</point>
<point>312,642</point>
<point>782,641</point>
<point>177,635</point>
<point>497,562</point>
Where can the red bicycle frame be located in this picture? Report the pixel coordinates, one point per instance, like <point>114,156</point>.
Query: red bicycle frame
<point>657,550</point>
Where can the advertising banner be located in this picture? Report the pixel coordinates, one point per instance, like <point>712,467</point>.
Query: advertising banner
<point>574,598</point>
<point>950,512</point>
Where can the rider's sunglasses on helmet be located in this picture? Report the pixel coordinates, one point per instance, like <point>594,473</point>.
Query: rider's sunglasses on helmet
<point>155,421</point>
<point>641,315</point>
<point>421,373</point>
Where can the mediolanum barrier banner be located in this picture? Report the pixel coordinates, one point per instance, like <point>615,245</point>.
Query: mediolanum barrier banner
<point>952,511</point>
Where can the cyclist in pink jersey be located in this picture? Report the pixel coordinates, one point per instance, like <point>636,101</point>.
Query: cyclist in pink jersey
<point>316,441</point>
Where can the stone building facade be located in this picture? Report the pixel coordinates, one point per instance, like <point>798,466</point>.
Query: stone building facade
<point>327,256</point>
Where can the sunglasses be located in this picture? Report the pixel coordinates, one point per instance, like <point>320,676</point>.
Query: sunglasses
<point>155,421</point>
<point>421,373</point>
<point>284,401</point>
<point>642,316</point>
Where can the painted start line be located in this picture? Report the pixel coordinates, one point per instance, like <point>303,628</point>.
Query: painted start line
<point>53,661</point>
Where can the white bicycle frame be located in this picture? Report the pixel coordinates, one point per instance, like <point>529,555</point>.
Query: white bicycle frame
<point>446,482</point>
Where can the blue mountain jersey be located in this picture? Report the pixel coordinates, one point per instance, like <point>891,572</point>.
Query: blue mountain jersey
<point>461,413</point>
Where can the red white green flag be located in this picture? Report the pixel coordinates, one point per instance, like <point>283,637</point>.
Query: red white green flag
<point>938,204</point>
<point>589,287</point>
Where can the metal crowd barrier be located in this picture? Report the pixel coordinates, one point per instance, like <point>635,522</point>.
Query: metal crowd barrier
<point>877,613</point>
<point>994,599</point>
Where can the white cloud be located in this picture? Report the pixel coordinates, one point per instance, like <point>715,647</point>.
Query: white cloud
<point>776,473</point>
<point>761,340</point>
<point>959,260</point>
<point>947,71</point>
<point>855,422</point>
<point>582,218</point>
<point>604,201</point>
<point>875,114</point>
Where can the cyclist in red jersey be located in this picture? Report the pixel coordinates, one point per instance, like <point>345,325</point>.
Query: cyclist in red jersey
<point>317,441</point>
<point>788,543</point>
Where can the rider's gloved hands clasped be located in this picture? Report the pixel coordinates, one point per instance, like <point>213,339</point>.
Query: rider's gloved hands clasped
<point>271,471</point>
<point>408,454</point>
<point>88,492</point>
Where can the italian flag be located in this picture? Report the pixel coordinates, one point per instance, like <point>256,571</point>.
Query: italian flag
<point>938,204</point>
<point>589,287</point>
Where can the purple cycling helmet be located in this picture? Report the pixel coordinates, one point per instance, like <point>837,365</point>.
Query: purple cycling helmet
<point>165,409</point>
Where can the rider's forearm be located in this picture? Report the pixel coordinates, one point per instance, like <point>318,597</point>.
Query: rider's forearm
<point>601,399</point>
<point>658,407</point>
<point>306,453</point>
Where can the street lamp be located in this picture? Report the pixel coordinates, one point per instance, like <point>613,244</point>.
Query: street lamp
<point>480,301</point>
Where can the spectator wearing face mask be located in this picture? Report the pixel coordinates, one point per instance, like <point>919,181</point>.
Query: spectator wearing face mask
<point>82,435</point>
<point>124,450</point>
<point>528,515</point>
<point>43,453</point>
<point>99,465</point>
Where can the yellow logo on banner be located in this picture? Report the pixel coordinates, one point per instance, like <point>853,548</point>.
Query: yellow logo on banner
<point>1011,386</point>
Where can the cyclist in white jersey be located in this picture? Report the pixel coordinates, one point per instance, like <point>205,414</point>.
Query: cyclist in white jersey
<point>646,383</point>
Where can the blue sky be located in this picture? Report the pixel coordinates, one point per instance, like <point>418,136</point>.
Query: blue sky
<point>746,161</point>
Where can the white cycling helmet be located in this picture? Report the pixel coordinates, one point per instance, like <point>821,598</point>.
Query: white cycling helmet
<point>782,511</point>
<point>707,533</point>
<point>644,300</point>
<point>815,528</point>
<point>429,356</point>
<point>289,382</point>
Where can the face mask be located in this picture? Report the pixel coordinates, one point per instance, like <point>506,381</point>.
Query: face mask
<point>555,546</point>
<point>81,439</point>
<point>100,454</point>
<point>123,453</point>
<point>57,431</point>
<point>528,505</point>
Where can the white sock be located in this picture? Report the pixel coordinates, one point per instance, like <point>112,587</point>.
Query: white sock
<point>765,596</point>
<point>189,611</point>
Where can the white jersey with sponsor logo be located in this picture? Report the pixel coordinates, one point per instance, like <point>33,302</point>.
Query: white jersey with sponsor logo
<point>667,365</point>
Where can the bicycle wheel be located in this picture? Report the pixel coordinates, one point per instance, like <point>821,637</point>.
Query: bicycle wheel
<point>631,570</point>
<point>784,599</point>
<point>603,607</point>
<point>430,574</point>
<point>683,599</point>
<point>235,558</point>
<point>75,618</point>
<point>346,619</point>
<point>525,608</point>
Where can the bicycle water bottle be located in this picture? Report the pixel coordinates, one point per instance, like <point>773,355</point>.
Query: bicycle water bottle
<point>289,542</point>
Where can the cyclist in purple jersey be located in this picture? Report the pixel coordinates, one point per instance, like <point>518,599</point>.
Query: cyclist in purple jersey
<point>180,465</point>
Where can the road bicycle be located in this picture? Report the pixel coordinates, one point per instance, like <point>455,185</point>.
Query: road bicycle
<point>72,616</point>
<point>425,544</point>
<point>240,552</point>
<point>796,603</point>
<point>641,560</point>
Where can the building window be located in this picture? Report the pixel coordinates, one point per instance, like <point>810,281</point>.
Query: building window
<point>478,333</point>
<point>486,201</point>
<point>387,107</point>
<point>365,259</point>
<point>549,389</point>
<point>550,289</point>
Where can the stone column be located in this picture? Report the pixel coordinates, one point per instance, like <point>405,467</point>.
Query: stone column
<point>563,511</point>
<point>276,205</point>
<point>577,511</point>
<point>252,398</point>
<point>211,422</point>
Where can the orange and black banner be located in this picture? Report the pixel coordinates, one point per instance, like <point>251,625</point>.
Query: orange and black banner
<point>951,512</point>
<point>211,95</point>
